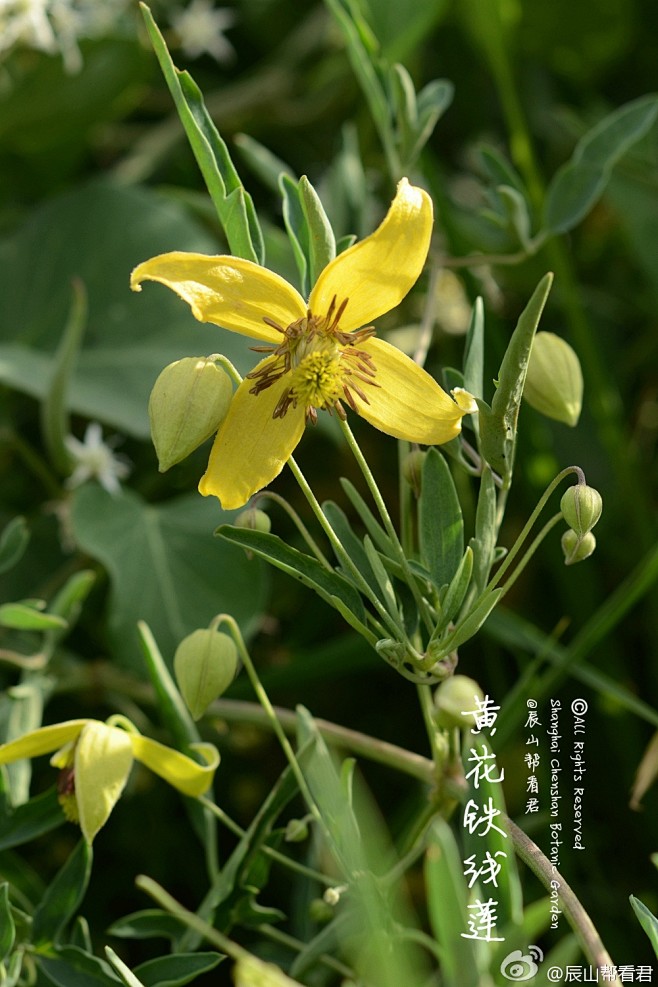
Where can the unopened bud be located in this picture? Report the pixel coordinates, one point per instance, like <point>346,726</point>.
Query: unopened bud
<point>577,548</point>
<point>254,519</point>
<point>581,507</point>
<point>296,831</point>
<point>554,382</point>
<point>205,664</point>
<point>188,403</point>
<point>456,702</point>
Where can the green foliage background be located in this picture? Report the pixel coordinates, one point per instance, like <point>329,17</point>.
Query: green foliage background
<point>95,176</point>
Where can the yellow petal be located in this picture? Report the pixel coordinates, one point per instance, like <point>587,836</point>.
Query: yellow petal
<point>376,273</point>
<point>251,447</point>
<point>408,403</point>
<point>177,769</point>
<point>228,291</point>
<point>103,759</point>
<point>41,741</point>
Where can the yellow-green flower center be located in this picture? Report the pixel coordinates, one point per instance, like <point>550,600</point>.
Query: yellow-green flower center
<point>317,381</point>
<point>323,364</point>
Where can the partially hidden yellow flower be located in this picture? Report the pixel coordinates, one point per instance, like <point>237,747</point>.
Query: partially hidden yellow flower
<point>94,761</point>
<point>321,353</point>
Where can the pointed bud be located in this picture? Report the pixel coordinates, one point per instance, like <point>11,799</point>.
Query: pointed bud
<point>205,664</point>
<point>581,507</point>
<point>188,403</point>
<point>577,548</point>
<point>554,382</point>
<point>455,702</point>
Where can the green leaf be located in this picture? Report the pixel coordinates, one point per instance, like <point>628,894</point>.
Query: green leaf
<point>321,240</point>
<point>232,882</point>
<point>13,542</point>
<point>97,233</point>
<point>447,901</point>
<point>647,920</point>
<point>353,546</point>
<point>40,815</point>
<point>150,923</point>
<point>166,569</point>
<point>362,51</point>
<point>579,184</point>
<point>484,542</point>
<point>454,596</point>
<point>295,223</point>
<point>372,525</point>
<point>72,967</point>
<point>174,971</point>
<point>440,523</point>
<point>126,974</point>
<point>498,423</point>
<point>7,927</point>
<point>305,568</point>
<point>63,896</point>
<point>26,618</point>
<point>472,623</point>
<point>234,206</point>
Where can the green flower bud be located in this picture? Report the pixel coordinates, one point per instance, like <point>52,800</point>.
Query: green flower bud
<point>581,508</point>
<point>455,702</point>
<point>554,382</point>
<point>188,403</point>
<point>296,831</point>
<point>205,664</point>
<point>412,469</point>
<point>254,519</point>
<point>320,911</point>
<point>577,547</point>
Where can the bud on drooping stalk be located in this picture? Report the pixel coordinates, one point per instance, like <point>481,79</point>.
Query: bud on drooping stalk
<point>254,519</point>
<point>581,507</point>
<point>205,664</point>
<point>576,548</point>
<point>188,403</point>
<point>554,382</point>
<point>455,702</point>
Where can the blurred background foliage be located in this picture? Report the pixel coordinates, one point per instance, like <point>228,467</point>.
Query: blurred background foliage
<point>96,175</point>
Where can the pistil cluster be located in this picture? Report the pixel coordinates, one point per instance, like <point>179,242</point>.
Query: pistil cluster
<point>324,363</point>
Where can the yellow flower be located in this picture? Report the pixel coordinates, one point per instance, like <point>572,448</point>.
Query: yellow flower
<point>321,353</point>
<point>95,758</point>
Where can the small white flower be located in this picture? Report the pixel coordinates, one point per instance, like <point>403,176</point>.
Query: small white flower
<point>200,28</point>
<point>94,459</point>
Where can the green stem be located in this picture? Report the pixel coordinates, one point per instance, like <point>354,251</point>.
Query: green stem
<point>534,545</point>
<point>574,912</point>
<point>389,527</point>
<point>273,854</point>
<point>297,521</point>
<point>426,705</point>
<point>393,624</point>
<point>514,551</point>
<point>273,721</point>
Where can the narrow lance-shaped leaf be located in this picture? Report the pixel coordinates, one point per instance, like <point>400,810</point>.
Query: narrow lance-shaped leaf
<point>498,423</point>
<point>448,907</point>
<point>234,206</point>
<point>321,240</point>
<point>440,524</point>
<point>7,927</point>
<point>64,894</point>
<point>295,223</point>
<point>13,542</point>
<point>579,184</point>
<point>647,920</point>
